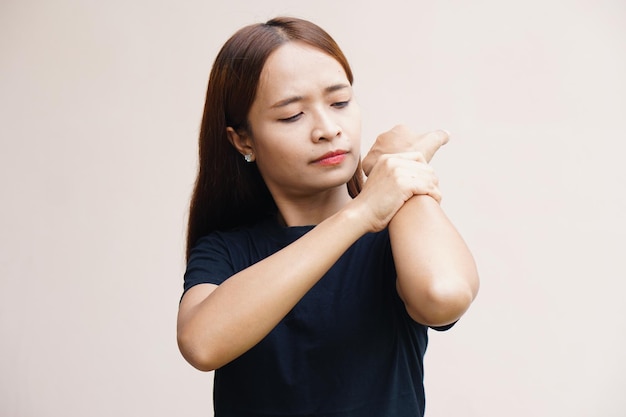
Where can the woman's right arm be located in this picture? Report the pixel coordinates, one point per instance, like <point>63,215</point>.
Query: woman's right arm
<point>216,324</point>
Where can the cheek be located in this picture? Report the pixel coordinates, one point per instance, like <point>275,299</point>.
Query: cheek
<point>282,139</point>
<point>355,133</point>
<point>354,121</point>
<point>278,155</point>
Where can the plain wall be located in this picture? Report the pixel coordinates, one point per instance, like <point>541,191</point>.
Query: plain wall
<point>100,105</point>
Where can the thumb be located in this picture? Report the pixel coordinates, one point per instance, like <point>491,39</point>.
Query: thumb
<point>432,141</point>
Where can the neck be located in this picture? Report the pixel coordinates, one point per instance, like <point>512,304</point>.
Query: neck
<point>312,210</point>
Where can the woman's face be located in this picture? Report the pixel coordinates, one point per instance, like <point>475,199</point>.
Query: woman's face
<point>304,124</point>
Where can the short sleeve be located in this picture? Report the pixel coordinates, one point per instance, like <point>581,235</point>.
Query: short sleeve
<point>209,262</point>
<point>443,328</point>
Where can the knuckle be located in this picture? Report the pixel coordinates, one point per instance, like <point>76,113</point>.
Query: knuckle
<point>388,161</point>
<point>441,136</point>
<point>401,129</point>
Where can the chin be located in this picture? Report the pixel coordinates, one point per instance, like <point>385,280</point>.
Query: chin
<point>343,178</point>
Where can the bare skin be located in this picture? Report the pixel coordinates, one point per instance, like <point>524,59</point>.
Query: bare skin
<point>437,279</point>
<point>402,139</point>
<point>441,289</point>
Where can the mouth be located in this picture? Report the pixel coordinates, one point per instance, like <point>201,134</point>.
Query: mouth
<point>331,158</point>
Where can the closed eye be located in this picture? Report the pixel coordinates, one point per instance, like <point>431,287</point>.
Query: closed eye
<point>341,104</point>
<point>292,118</point>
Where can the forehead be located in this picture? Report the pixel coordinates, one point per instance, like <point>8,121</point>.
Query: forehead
<point>295,68</point>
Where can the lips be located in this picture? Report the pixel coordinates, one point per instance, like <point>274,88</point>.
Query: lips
<point>331,158</point>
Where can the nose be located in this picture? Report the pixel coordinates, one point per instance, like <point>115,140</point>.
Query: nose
<point>325,128</point>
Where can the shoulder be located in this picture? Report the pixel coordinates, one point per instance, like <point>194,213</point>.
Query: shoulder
<point>224,245</point>
<point>221,254</point>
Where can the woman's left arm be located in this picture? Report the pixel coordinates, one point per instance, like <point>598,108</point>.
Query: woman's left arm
<point>436,274</point>
<point>437,277</point>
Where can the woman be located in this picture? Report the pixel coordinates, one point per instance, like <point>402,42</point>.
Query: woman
<point>307,290</point>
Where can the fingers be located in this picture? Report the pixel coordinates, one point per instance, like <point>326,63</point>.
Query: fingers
<point>411,156</point>
<point>410,173</point>
<point>432,141</point>
<point>369,161</point>
<point>394,180</point>
<point>436,194</point>
<point>422,180</point>
<point>401,139</point>
<point>442,135</point>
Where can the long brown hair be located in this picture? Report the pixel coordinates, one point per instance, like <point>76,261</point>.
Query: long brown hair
<point>228,191</point>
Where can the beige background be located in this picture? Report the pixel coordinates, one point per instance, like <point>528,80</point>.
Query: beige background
<point>100,103</point>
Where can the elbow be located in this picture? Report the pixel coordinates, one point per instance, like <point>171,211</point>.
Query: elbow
<point>196,353</point>
<point>441,304</point>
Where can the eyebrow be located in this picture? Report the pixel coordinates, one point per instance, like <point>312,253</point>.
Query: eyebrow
<point>287,101</point>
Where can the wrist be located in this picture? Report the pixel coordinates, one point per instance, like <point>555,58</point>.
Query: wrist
<point>354,216</point>
<point>415,206</point>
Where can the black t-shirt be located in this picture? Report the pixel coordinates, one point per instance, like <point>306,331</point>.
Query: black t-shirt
<point>348,348</point>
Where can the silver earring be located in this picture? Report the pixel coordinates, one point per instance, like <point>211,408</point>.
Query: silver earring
<point>248,157</point>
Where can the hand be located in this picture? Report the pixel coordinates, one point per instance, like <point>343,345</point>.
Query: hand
<point>402,139</point>
<point>393,181</point>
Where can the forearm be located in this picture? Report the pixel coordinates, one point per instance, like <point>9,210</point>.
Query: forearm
<point>247,306</point>
<point>437,276</point>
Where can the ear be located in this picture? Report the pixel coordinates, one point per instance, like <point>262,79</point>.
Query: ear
<point>241,141</point>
